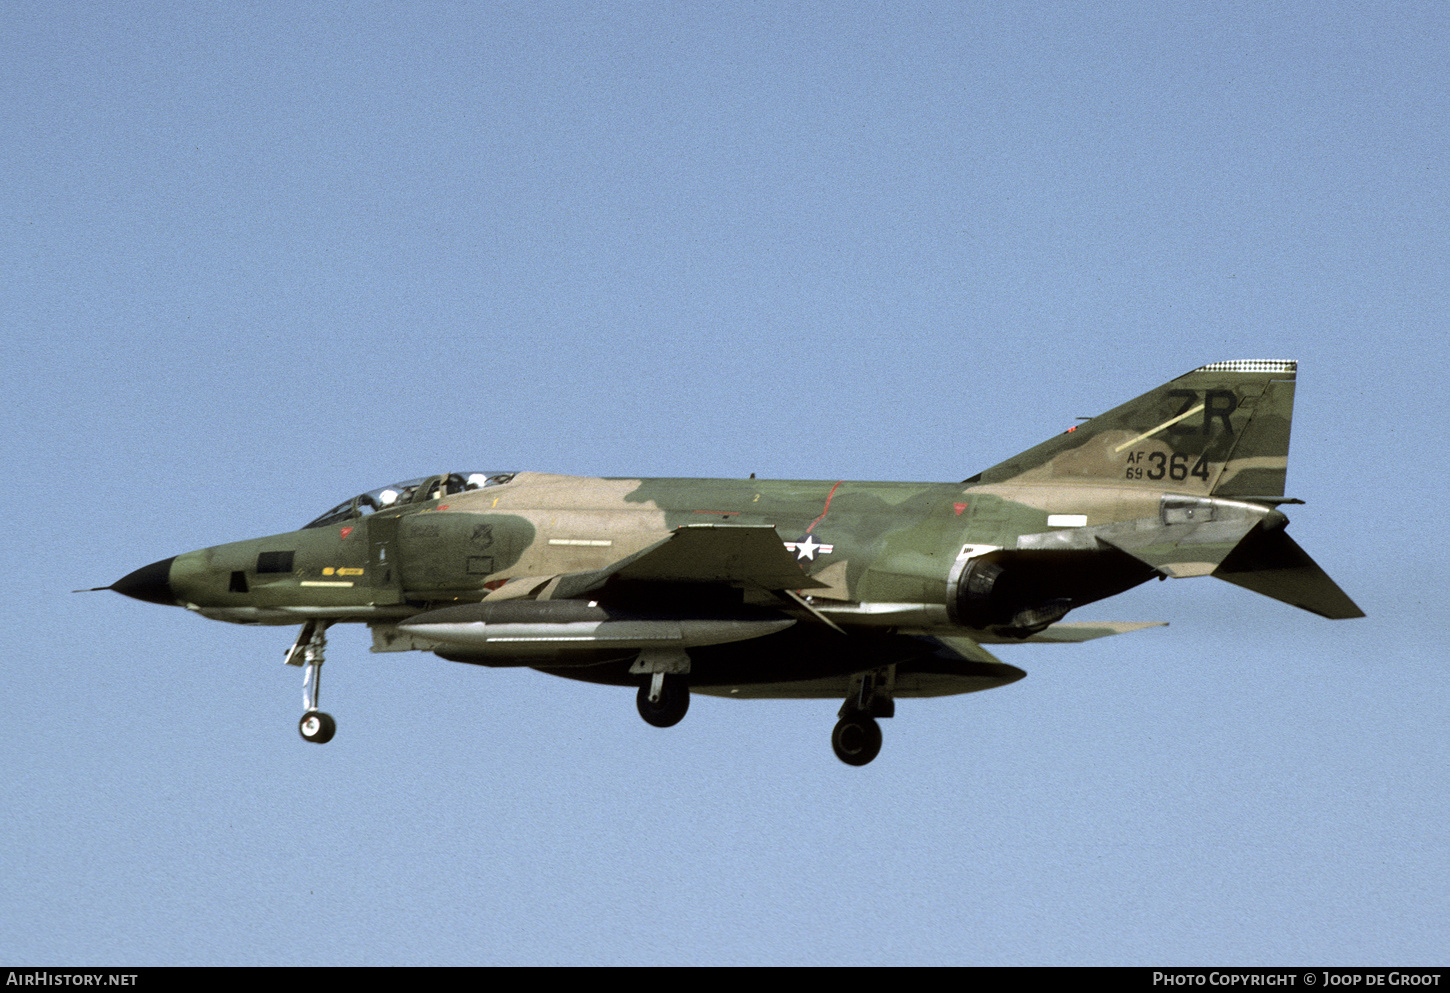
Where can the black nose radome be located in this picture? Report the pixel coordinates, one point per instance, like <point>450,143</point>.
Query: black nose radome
<point>150,583</point>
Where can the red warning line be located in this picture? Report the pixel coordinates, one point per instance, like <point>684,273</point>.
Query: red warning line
<point>826,508</point>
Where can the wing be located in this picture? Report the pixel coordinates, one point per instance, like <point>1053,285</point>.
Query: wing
<point>744,555</point>
<point>681,592</point>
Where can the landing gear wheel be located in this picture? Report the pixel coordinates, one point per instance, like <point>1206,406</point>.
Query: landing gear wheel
<point>856,739</point>
<point>670,708</point>
<point>317,727</point>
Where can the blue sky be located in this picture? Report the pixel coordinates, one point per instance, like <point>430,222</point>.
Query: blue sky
<point>257,259</point>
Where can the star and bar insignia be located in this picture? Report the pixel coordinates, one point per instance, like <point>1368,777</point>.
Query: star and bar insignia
<point>806,549</point>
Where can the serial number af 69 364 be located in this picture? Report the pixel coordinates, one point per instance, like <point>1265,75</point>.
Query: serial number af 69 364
<point>1156,465</point>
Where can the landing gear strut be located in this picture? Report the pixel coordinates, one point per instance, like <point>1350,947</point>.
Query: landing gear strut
<point>308,652</point>
<point>856,739</point>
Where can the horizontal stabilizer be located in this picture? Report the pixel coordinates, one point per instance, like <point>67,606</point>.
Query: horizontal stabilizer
<point>742,554</point>
<point>1271,563</point>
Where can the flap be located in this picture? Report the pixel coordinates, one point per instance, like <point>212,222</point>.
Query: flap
<point>1072,632</point>
<point>967,649</point>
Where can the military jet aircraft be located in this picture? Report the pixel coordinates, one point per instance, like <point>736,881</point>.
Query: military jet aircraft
<point>860,591</point>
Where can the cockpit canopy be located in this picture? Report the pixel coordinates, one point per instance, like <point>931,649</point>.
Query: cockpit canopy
<point>417,490</point>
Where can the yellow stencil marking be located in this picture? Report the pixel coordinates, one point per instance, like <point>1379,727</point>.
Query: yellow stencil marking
<point>1166,424</point>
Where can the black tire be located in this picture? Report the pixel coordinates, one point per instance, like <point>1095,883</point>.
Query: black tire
<point>856,739</point>
<point>317,727</point>
<point>674,701</point>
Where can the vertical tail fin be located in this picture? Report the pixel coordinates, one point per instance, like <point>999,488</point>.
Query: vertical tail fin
<point>1221,429</point>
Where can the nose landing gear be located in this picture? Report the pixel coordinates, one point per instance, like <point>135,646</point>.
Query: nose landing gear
<point>317,726</point>
<point>308,652</point>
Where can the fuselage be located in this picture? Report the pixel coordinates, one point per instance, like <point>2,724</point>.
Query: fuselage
<point>882,554</point>
<point>865,591</point>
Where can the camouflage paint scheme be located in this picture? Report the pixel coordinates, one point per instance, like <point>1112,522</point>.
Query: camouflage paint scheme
<point>889,586</point>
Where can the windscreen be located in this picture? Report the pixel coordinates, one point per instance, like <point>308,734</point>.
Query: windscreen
<point>418,490</point>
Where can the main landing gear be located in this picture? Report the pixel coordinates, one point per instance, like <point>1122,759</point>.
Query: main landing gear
<point>665,694</point>
<point>857,737</point>
<point>308,652</point>
<point>663,700</point>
